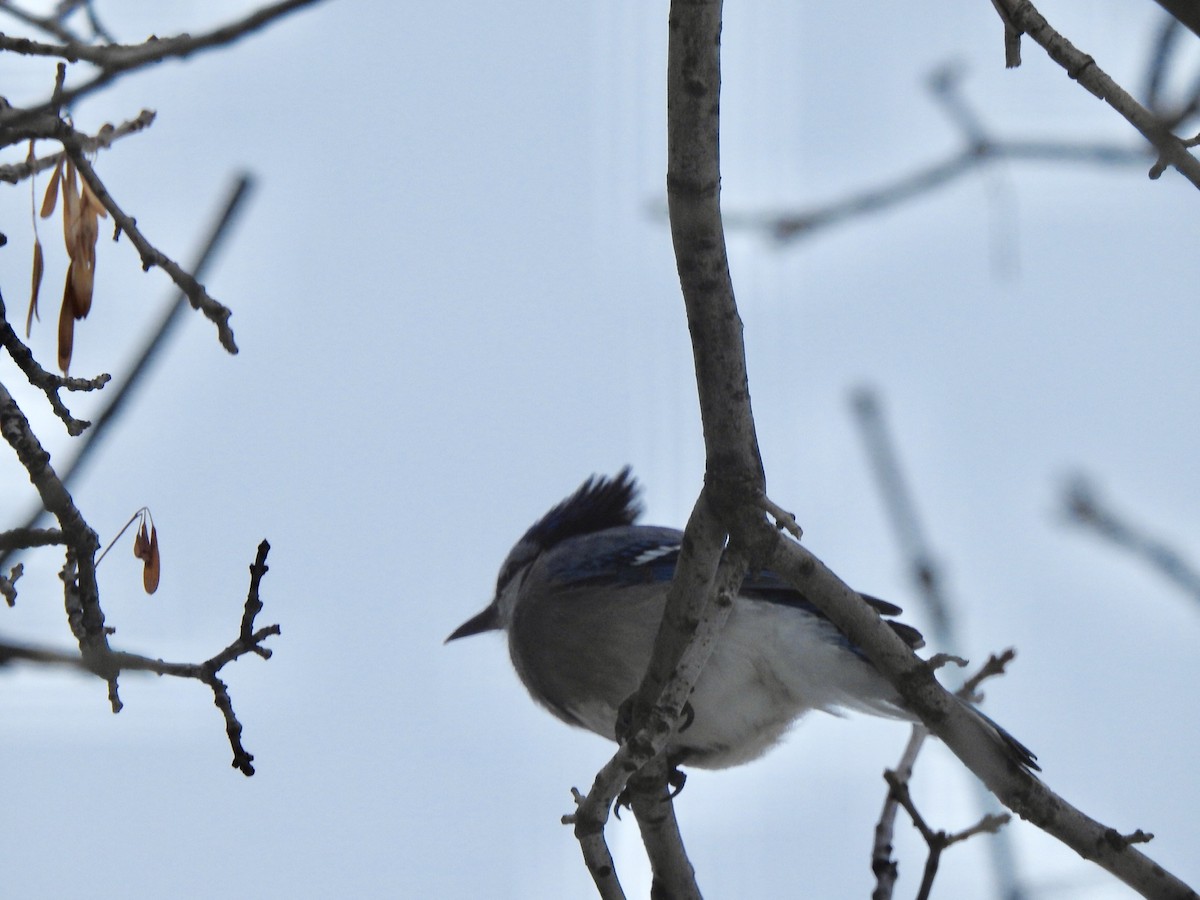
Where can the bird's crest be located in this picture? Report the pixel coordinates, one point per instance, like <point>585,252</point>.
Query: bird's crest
<point>599,503</point>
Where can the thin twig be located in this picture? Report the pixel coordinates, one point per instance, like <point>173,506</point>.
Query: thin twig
<point>882,864</point>
<point>111,663</point>
<point>16,172</point>
<point>98,30</point>
<point>217,313</point>
<point>926,578</point>
<point>1012,37</point>
<point>11,652</point>
<point>239,192</point>
<point>47,24</point>
<point>979,149</point>
<point>117,400</point>
<point>936,841</point>
<point>103,553</point>
<point>48,382</point>
<point>114,60</point>
<point>1079,66</point>
<point>784,520</point>
<point>8,584</point>
<point>994,667</point>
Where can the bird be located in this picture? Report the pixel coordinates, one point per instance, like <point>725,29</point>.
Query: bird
<point>580,597</point>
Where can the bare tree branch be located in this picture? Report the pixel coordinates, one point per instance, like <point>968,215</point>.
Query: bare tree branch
<point>114,60</point>
<point>925,577</point>
<point>937,841</point>
<point>111,663</point>
<point>731,501</point>
<point>49,120</point>
<point>83,599</point>
<point>1084,507</point>
<point>649,729</point>
<point>217,313</point>
<point>8,584</point>
<point>23,538</point>
<point>1016,788</point>
<point>221,225</point>
<point>1185,11</point>
<point>979,149</point>
<point>15,172</point>
<point>48,24</point>
<point>902,512</point>
<point>1172,151</point>
<point>48,382</point>
<point>1156,65</point>
<point>673,875</point>
<point>885,868</point>
<point>701,593</point>
<point>589,831</point>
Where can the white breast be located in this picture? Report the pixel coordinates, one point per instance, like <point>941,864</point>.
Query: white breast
<point>771,665</point>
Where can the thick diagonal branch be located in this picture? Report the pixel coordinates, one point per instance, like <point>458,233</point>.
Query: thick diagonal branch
<point>964,734</point>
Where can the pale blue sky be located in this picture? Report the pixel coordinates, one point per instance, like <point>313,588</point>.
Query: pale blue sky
<point>453,305</point>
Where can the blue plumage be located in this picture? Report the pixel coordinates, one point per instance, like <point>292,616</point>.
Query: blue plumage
<point>581,595</point>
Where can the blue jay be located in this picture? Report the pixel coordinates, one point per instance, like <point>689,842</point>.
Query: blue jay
<point>581,596</point>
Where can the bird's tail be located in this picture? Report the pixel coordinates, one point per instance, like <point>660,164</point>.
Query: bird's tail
<point>1018,752</point>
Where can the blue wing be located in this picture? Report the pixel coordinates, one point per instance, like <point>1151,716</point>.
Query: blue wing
<point>641,554</point>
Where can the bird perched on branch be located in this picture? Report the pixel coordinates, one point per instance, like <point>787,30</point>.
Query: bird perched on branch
<point>582,593</point>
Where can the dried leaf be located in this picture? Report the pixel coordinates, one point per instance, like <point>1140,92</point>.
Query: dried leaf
<point>91,203</point>
<point>66,326</point>
<point>81,247</point>
<point>38,267</point>
<point>150,571</point>
<point>82,273</point>
<point>71,204</point>
<point>51,198</point>
<point>141,543</point>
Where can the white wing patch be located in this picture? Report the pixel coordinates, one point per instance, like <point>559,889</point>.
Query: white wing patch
<point>649,556</point>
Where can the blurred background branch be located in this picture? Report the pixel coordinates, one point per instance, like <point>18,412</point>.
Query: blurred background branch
<point>1083,505</point>
<point>918,559</point>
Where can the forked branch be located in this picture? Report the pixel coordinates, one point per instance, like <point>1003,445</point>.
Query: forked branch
<point>108,665</point>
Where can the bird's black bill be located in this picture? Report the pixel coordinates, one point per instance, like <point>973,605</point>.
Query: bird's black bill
<point>488,620</point>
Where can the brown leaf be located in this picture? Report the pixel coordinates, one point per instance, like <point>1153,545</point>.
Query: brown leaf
<point>150,571</point>
<point>82,272</point>
<point>66,326</point>
<point>38,266</point>
<point>141,543</point>
<point>51,198</point>
<point>81,231</point>
<point>91,203</point>
<point>70,192</point>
